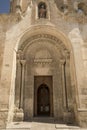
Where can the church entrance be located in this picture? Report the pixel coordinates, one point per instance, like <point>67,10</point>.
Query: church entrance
<point>43,101</point>
<point>43,81</point>
<point>43,96</point>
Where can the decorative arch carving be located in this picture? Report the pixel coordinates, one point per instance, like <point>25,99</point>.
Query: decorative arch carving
<point>28,53</point>
<point>40,38</point>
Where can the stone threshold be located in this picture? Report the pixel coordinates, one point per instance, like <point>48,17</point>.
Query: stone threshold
<point>38,125</point>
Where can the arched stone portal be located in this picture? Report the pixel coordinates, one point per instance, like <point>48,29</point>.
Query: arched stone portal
<point>44,56</point>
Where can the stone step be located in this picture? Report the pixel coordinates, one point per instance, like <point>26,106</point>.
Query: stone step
<point>44,119</point>
<point>40,126</point>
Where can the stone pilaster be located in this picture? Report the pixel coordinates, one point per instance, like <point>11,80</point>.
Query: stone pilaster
<point>18,2</point>
<point>68,81</point>
<point>18,84</point>
<point>67,90</point>
<point>18,110</point>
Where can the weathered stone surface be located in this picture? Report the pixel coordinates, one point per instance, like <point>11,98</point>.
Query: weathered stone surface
<point>54,46</point>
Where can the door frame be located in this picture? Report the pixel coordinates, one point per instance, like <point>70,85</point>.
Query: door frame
<point>48,79</point>
<point>39,101</point>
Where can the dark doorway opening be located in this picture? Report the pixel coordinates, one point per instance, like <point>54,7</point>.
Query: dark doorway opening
<point>43,101</point>
<point>43,96</point>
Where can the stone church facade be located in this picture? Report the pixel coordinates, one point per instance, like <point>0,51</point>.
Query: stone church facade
<point>43,62</point>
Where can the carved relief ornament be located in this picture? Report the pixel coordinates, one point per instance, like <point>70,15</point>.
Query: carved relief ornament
<point>30,40</point>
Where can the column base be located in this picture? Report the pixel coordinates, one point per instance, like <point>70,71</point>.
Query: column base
<point>68,117</point>
<point>18,114</point>
<point>82,114</point>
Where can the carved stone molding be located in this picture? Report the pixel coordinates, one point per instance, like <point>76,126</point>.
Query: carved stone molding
<point>45,37</point>
<point>62,61</point>
<point>67,54</point>
<point>23,62</point>
<point>43,61</point>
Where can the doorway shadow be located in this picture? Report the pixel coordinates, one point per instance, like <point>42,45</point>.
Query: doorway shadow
<point>50,120</point>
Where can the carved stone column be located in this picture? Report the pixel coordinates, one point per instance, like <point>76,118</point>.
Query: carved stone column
<point>68,114</point>
<point>18,84</point>
<point>68,81</point>
<point>65,106</point>
<point>18,110</point>
<point>22,83</point>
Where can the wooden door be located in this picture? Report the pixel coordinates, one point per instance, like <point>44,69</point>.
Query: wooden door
<point>43,101</point>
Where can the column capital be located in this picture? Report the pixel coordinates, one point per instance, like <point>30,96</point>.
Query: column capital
<point>67,54</point>
<point>62,61</point>
<point>23,62</point>
<point>20,54</point>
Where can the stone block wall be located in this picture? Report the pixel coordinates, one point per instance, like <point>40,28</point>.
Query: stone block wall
<point>2,42</point>
<point>3,118</point>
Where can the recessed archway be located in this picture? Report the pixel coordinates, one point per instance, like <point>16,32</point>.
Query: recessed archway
<point>29,44</point>
<point>24,37</point>
<point>54,61</point>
